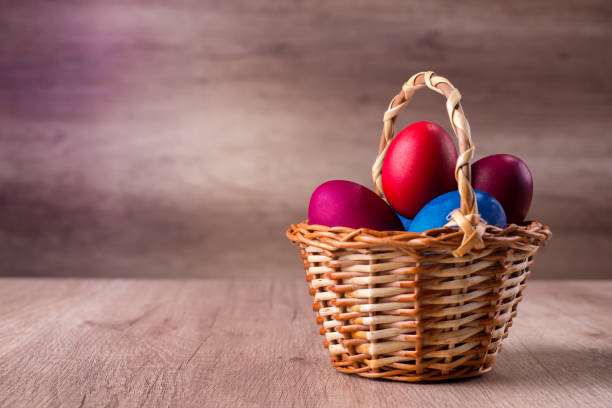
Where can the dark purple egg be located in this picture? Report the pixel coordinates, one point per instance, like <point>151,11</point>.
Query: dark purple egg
<point>507,179</point>
<point>344,203</point>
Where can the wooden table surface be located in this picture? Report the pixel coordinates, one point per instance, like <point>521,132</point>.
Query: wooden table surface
<point>89,342</point>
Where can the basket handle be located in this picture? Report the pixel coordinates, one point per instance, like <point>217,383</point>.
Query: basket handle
<point>468,218</point>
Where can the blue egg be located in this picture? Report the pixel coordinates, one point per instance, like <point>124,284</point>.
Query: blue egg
<point>405,221</point>
<point>436,213</point>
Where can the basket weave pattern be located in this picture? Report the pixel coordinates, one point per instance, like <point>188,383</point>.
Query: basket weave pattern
<point>419,306</point>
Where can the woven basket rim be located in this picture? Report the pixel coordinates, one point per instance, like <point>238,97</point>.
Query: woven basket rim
<point>334,238</point>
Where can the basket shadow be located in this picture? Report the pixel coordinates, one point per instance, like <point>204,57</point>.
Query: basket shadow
<point>562,364</point>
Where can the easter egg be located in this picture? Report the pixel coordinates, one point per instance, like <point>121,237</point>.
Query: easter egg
<point>436,213</point>
<point>419,166</point>
<point>405,221</point>
<point>347,204</point>
<point>507,179</point>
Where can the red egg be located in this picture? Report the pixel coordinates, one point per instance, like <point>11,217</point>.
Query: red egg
<point>419,166</point>
<point>507,179</point>
<point>347,204</point>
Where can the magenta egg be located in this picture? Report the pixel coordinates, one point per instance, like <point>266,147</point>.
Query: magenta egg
<point>507,179</point>
<point>347,204</point>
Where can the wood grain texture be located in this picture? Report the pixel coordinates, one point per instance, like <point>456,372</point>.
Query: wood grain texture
<point>211,343</point>
<point>150,139</point>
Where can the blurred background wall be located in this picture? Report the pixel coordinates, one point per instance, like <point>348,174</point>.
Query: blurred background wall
<point>180,139</point>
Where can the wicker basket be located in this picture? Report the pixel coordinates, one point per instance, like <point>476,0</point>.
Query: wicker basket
<point>419,306</point>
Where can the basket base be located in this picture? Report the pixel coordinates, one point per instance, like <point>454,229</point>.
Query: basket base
<point>459,375</point>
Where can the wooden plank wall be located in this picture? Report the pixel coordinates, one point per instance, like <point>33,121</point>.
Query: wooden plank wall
<point>180,140</point>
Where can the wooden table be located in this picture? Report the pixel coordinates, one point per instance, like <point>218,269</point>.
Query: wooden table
<point>89,342</point>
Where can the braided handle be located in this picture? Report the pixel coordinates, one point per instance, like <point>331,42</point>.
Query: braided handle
<point>467,219</point>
